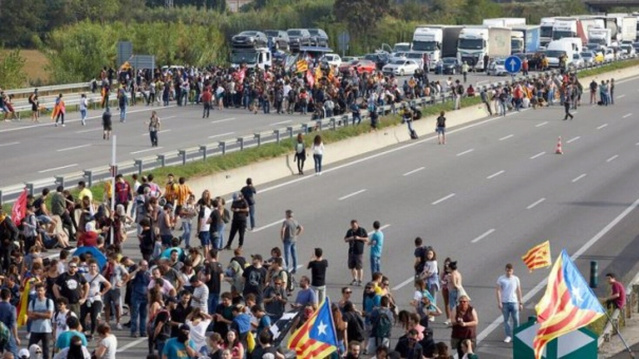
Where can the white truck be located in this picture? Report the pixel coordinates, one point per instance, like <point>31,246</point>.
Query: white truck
<point>525,39</point>
<point>438,41</point>
<point>251,57</point>
<point>545,35</point>
<point>629,29</point>
<point>477,42</point>
<point>556,49</point>
<point>505,21</point>
<point>599,37</point>
<point>568,27</point>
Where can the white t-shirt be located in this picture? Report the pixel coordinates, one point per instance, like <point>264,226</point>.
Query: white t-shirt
<point>94,286</point>
<point>201,293</point>
<point>508,288</point>
<point>204,227</point>
<point>198,332</point>
<point>60,322</point>
<point>111,345</point>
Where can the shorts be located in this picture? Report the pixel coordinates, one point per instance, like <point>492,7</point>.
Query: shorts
<point>112,296</point>
<point>355,261</point>
<point>205,238</point>
<point>166,239</point>
<point>441,130</point>
<point>106,126</point>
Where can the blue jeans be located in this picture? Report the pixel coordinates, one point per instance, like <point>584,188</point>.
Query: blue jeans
<point>122,113</point>
<point>376,264</point>
<point>318,163</point>
<point>220,235</point>
<point>138,308</point>
<point>252,215</point>
<point>83,116</point>
<point>12,346</point>
<point>186,235</point>
<point>214,300</point>
<point>267,106</point>
<point>290,250</point>
<point>509,310</point>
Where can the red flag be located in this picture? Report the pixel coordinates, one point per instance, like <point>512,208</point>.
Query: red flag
<point>19,210</point>
<point>309,78</point>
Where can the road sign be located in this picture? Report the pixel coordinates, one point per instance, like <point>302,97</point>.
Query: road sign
<point>343,40</point>
<point>513,64</point>
<point>578,344</point>
<point>125,51</point>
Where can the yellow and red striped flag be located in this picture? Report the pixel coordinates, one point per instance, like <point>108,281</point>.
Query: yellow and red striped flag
<point>538,256</point>
<point>317,337</point>
<point>301,65</point>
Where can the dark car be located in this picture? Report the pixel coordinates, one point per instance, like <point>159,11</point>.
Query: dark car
<point>250,39</point>
<point>318,37</point>
<point>450,66</point>
<point>277,39</point>
<point>379,58</point>
<point>298,38</point>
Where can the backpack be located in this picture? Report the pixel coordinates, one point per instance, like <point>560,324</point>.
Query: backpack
<point>5,336</point>
<point>460,89</point>
<point>357,331</point>
<point>165,333</point>
<point>383,325</point>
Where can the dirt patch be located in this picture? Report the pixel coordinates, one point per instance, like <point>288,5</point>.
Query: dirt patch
<point>34,66</point>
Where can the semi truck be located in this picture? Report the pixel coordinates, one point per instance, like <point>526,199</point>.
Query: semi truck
<point>568,27</point>
<point>251,57</point>
<point>629,29</point>
<point>476,42</point>
<point>525,39</point>
<point>438,41</point>
<point>505,22</point>
<point>545,32</point>
<point>599,37</point>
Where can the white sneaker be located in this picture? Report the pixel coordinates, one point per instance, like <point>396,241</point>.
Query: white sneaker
<point>118,326</point>
<point>447,323</point>
<point>508,340</point>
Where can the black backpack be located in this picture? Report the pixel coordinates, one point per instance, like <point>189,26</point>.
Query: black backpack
<point>383,325</point>
<point>356,331</point>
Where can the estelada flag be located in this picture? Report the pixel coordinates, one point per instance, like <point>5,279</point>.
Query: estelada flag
<point>301,65</point>
<point>567,305</point>
<point>317,337</point>
<point>309,78</point>
<point>538,256</point>
<point>19,210</point>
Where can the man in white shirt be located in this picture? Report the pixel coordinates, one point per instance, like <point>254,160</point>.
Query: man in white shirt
<point>509,300</point>
<point>200,298</point>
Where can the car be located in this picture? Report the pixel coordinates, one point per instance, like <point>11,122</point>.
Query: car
<point>298,38</point>
<point>636,46</point>
<point>250,39</point>
<point>346,59</point>
<point>277,39</point>
<point>379,58</point>
<point>594,47</point>
<point>497,68</point>
<point>318,37</point>
<point>628,50</point>
<point>397,56</point>
<point>418,57</point>
<point>359,66</point>
<point>589,57</point>
<point>577,61</point>
<point>450,66</point>
<point>332,59</point>
<point>608,54</point>
<point>401,67</point>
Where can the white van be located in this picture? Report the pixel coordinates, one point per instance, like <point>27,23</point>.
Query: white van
<point>558,48</point>
<point>577,45</point>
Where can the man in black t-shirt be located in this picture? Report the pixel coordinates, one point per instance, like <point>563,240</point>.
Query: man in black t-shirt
<point>214,275</point>
<point>72,286</point>
<point>356,237</point>
<point>318,266</point>
<point>240,209</point>
<point>254,278</point>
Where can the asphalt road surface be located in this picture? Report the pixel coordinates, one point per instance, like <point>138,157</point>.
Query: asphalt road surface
<point>485,198</point>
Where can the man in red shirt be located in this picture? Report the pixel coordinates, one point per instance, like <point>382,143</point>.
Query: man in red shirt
<point>207,97</point>
<point>617,299</point>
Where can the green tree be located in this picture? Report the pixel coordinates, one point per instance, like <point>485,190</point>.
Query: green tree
<point>361,16</point>
<point>11,70</point>
<point>20,21</point>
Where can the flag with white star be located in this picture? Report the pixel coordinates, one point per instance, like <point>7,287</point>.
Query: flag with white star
<point>317,337</point>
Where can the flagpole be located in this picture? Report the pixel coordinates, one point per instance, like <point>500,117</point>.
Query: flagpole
<point>616,329</point>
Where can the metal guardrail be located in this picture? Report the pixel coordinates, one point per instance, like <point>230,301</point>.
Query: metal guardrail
<point>203,151</point>
<point>43,90</point>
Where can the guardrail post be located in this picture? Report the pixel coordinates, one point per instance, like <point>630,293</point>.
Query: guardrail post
<point>182,154</point>
<point>138,164</point>
<point>289,129</point>
<point>59,180</point>
<point>88,174</point>
<point>203,150</point>
<point>258,137</point>
<point>333,123</point>
<point>277,136</point>
<point>222,146</point>
<point>305,128</point>
<point>29,188</point>
<point>320,124</point>
<point>162,159</point>
<point>344,121</point>
<point>240,140</point>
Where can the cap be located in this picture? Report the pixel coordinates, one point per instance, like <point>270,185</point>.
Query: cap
<point>256,256</point>
<point>171,300</point>
<point>24,353</point>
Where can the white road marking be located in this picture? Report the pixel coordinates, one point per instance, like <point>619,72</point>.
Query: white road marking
<point>268,225</point>
<point>404,283</point>
<point>224,120</point>
<point>465,152</point>
<point>351,194</point>
<point>612,158</point>
<point>380,228</point>
<point>73,148</point>
<point>484,235</point>
<point>222,134</point>
<point>90,130</point>
<point>542,285</point>
<point>147,150</point>
<point>495,174</point>
<point>602,126</point>
<point>573,139</point>
<point>281,122</point>
<point>58,168</point>
<point>507,137</point>
<point>161,131</point>
<point>541,124</point>
<point>621,96</point>
<point>627,115</point>
<point>443,199</point>
<point>9,144</point>
<point>536,203</point>
<point>413,171</point>
<point>578,177</point>
<point>538,155</point>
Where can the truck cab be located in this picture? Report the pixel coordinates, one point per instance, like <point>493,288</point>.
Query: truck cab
<point>428,40</point>
<point>472,45</point>
<point>251,57</point>
<point>557,49</point>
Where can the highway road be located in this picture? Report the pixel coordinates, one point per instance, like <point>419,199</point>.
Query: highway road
<point>38,151</point>
<point>495,190</point>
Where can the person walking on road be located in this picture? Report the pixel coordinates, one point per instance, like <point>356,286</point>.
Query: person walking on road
<point>35,106</point>
<point>122,103</point>
<point>107,124</point>
<point>465,322</point>
<point>376,243</point>
<point>318,153</point>
<point>464,69</point>
<point>300,153</point>
<point>318,266</point>
<point>240,209</point>
<point>84,105</point>
<point>59,110</point>
<point>617,299</point>
<point>154,127</point>
<point>567,105</point>
<point>289,232</point>
<point>509,300</point>
<point>441,129</point>
<point>248,192</point>
<point>207,97</point>
<point>356,237</point>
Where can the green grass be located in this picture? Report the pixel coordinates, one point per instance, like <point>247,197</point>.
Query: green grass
<point>610,67</point>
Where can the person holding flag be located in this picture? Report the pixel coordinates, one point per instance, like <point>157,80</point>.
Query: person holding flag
<point>317,337</point>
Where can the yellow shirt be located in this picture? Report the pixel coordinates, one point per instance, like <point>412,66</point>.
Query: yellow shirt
<point>86,193</point>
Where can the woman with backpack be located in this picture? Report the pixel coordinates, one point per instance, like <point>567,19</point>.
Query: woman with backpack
<point>300,153</point>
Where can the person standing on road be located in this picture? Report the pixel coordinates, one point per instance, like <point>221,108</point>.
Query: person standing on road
<point>40,311</point>
<point>465,322</point>
<point>154,126</point>
<point>73,286</point>
<point>122,103</point>
<point>593,92</point>
<point>249,192</point>
<point>84,105</point>
<point>455,288</point>
<point>289,232</point>
<point>107,125</point>
<point>8,318</point>
<point>318,266</point>
<point>300,153</point>
<point>509,300</point>
<point>617,299</point>
<point>484,99</point>
<point>464,68</point>
<point>59,110</point>
<point>238,226</point>
<point>356,237</point>
<point>441,129</point>
<point>318,153</point>
<point>35,106</point>
<point>207,97</point>
<point>611,89</point>
<point>567,104</point>
<point>376,243</point>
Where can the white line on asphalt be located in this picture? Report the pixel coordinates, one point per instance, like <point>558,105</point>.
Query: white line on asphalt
<point>9,144</point>
<point>538,155</point>
<point>58,168</point>
<point>536,203</point>
<point>413,171</point>
<point>542,285</point>
<point>495,174</point>
<point>627,115</point>
<point>443,199</point>
<point>147,150</point>
<point>404,283</point>
<point>573,139</point>
<point>612,158</point>
<point>465,152</point>
<point>131,344</point>
<point>506,137</point>
<point>90,130</point>
<point>268,225</point>
<point>602,126</point>
<point>621,96</point>
<point>352,194</point>
<point>222,134</point>
<point>380,228</point>
<point>162,131</point>
<point>73,148</point>
<point>578,177</point>
<point>224,120</point>
<point>541,124</point>
<point>281,122</point>
<point>486,234</point>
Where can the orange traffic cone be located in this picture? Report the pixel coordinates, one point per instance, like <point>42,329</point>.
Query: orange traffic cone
<point>558,150</point>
